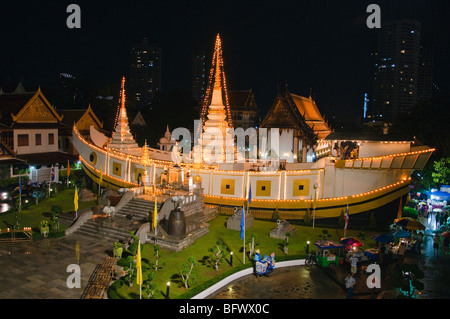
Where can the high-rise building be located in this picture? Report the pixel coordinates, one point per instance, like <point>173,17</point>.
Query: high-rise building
<point>199,75</point>
<point>425,87</point>
<point>145,74</point>
<point>395,70</point>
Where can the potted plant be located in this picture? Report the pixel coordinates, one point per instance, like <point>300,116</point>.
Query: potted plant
<point>44,228</point>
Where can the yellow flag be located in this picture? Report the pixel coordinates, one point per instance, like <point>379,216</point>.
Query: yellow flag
<point>155,213</point>
<point>139,265</point>
<point>75,199</point>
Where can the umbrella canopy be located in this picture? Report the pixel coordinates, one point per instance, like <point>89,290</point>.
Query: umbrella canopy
<point>400,234</point>
<point>446,234</point>
<point>383,238</point>
<point>409,223</point>
<point>351,241</point>
<point>437,210</point>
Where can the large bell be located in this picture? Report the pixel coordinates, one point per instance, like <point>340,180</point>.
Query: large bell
<point>177,223</point>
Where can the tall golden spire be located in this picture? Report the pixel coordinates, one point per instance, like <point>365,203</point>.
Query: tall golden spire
<point>122,139</point>
<point>216,93</point>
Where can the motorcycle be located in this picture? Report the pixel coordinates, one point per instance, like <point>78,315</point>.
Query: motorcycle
<point>264,267</point>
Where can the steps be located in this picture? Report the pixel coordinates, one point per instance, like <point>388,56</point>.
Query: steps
<point>104,228</point>
<point>118,227</point>
<point>138,210</point>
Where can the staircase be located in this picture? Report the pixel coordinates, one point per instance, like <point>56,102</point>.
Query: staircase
<point>118,227</point>
<point>138,210</point>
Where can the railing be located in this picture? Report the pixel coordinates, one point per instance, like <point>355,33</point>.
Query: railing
<point>13,235</point>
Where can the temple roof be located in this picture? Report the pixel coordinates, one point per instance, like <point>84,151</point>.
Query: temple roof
<point>297,112</point>
<point>308,108</point>
<point>242,100</point>
<point>26,108</point>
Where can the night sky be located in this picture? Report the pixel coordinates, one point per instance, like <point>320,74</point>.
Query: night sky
<point>322,45</point>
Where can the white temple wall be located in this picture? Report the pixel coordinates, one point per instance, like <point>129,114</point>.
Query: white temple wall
<point>371,149</point>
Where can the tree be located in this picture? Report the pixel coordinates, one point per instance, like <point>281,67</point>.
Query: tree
<point>218,252</point>
<point>441,172</point>
<point>56,210</point>
<point>251,244</point>
<point>128,266</point>
<point>117,249</point>
<point>156,249</point>
<point>44,228</point>
<point>149,286</point>
<point>286,242</point>
<point>187,276</point>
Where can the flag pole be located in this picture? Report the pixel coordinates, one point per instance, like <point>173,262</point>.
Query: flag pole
<point>243,244</point>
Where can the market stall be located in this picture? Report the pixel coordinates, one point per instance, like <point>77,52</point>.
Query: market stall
<point>328,252</point>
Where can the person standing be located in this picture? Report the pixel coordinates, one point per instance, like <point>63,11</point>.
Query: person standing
<point>349,285</point>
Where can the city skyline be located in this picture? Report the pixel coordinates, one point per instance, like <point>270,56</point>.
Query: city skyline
<point>319,48</point>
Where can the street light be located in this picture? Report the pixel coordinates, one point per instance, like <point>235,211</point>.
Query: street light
<point>168,289</point>
<point>307,247</point>
<point>231,259</point>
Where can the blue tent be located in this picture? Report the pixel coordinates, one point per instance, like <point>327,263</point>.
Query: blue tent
<point>400,234</point>
<point>383,238</point>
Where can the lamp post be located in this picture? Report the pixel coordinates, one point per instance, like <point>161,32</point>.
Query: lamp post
<point>168,290</point>
<point>231,259</point>
<point>307,247</point>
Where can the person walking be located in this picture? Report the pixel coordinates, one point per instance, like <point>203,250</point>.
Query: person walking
<point>436,245</point>
<point>349,285</point>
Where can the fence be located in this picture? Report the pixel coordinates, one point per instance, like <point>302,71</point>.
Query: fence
<point>293,216</point>
<point>11,235</point>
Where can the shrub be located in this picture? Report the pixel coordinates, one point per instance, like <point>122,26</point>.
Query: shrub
<point>410,212</point>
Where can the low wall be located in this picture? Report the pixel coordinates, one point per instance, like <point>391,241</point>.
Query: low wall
<point>83,216</point>
<point>249,271</point>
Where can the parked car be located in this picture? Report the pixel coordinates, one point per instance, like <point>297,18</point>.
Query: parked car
<point>6,194</point>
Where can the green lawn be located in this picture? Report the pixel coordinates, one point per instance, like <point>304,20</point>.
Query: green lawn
<point>31,217</point>
<point>172,261</point>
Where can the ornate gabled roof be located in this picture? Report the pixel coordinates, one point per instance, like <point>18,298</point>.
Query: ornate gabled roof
<point>308,108</point>
<point>27,107</point>
<point>284,114</point>
<point>83,118</point>
<point>280,115</point>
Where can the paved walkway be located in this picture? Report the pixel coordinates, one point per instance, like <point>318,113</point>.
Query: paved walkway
<point>299,282</point>
<point>37,270</point>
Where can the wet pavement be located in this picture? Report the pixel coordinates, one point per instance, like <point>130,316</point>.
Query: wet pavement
<point>38,270</point>
<point>302,282</point>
